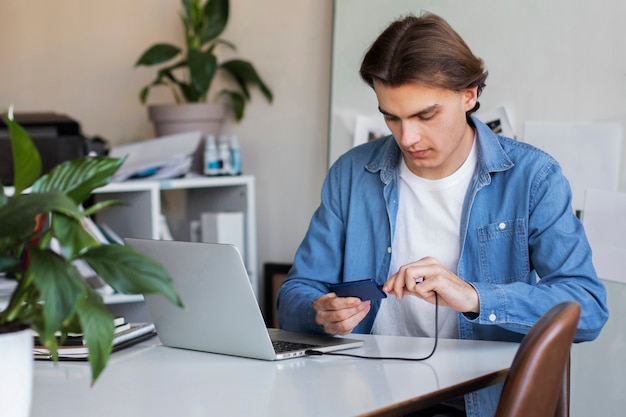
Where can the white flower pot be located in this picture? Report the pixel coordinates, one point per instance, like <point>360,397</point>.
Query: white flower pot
<point>16,373</point>
<point>186,117</point>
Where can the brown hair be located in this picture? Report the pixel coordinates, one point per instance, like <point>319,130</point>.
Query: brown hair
<point>423,50</point>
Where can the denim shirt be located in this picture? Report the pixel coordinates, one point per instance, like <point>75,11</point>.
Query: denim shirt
<point>517,225</point>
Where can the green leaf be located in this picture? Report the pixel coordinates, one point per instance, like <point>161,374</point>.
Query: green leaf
<point>102,205</point>
<point>143,94</point>
<point>26,159</point>
<point>158,54</point>
<point>17,217</point>
<point>163,74</point>
<point>191,94</point>
<point>203,22</point>
<point>244,74</point>
<point>223,42</point>
<point>96,323</point>
<point>71,235</point>
<point>216,17</point>
<point>61,288</point>
<point>202,67</point>
<point>79,177</point>
<point>130,272</point>
<point>192,13</point>
<point>238,101</point>
<point>167,72</point>
<point>7,262</point>
<point>3,197</point>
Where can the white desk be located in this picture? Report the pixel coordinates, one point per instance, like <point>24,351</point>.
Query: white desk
<point>151,380</point>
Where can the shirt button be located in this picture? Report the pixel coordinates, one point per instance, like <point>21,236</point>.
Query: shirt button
<point>492,317</point>
<point>502,226</point>
<point>389,249</point>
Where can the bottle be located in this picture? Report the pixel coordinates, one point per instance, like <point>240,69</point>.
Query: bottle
<point>224,155</point>
<point>211,157</point>
<point>235,156</point>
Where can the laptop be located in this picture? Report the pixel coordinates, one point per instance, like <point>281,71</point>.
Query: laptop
<point>221,313</point>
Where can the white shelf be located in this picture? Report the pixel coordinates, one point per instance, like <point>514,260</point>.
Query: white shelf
<point>180,200</point>
<point>206,182</point>
<point>122,298</point>
<point>8,286</point>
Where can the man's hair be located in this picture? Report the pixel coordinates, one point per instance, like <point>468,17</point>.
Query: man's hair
<point>424,50</point>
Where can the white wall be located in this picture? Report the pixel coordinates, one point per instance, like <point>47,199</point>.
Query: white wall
<point>548,60</point>
<point>76,57</point>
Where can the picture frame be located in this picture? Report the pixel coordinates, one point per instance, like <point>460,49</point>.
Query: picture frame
<point>274,274</point>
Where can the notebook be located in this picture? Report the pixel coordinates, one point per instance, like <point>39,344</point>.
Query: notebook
<point>221,313</point>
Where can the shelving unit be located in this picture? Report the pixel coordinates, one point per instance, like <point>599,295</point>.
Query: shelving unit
<point>139,216</point>
<point>180,201</point>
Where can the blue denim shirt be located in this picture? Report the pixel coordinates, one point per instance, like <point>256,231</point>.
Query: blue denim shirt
<point>517,225</point>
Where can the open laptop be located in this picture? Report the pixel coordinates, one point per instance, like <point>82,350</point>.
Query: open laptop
<point>221,314</point>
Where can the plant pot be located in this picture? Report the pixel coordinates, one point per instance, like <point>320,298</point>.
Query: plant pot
<point>16,373</point>
<point>186,117</point>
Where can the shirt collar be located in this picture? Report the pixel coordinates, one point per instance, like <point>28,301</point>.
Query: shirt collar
<point>491,156</point>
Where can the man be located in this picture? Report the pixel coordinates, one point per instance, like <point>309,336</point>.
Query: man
<point>443,206</point>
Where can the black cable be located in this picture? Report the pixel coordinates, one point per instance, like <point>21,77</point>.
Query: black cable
<point>319,353</point>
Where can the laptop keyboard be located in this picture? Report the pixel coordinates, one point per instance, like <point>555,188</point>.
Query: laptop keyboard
<point>281,346</point>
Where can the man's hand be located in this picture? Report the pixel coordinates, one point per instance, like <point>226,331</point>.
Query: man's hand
<point>427,276</point>
<point>339,315</point>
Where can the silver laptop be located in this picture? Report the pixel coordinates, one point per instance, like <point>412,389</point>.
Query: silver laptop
<point>221,314</point>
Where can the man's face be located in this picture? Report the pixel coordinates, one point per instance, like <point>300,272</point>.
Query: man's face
<point>429,126</point>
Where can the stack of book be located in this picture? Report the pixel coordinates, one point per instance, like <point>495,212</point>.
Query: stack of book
<point>74,347</point>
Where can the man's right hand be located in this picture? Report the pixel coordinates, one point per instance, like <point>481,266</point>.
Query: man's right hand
<point>339,315</point>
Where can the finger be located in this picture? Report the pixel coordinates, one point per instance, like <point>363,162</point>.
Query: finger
<point>398,284</point>
<point>331,302</point>
<point>330,310</point>
<point>410,275</point>
<point>395,284</point>
<point>344,321</point>
<point>388,285</point>
<point>412,279</point>
<point>424,291</point>
<point>329,316</point>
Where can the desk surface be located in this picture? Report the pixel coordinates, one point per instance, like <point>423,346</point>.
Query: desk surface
<point>151,380</point>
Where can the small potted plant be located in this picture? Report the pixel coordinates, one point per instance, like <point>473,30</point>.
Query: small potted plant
<point>42,238</point>
<point>189,72</point>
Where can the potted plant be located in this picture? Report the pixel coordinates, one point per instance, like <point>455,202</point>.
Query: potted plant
<point>189,72</point>
<point>41,239</point>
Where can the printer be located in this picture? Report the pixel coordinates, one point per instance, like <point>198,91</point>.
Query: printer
<point>57,137</point>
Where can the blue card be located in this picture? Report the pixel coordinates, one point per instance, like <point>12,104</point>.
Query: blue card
<point>365,289</point>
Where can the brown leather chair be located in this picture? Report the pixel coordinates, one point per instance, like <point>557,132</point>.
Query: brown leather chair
<point>538,381</point>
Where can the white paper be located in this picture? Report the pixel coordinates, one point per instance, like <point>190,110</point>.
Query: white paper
<point>369,128</point>
<point>589,153</point>
<point>604,218</point>
<point>7,286</point>
<point>498,120</point>
<point>165,157</point>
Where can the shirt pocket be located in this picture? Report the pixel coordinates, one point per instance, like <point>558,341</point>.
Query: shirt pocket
<point>504,251</point>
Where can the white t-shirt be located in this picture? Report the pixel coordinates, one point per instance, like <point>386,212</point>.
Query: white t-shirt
<point>427,224</point>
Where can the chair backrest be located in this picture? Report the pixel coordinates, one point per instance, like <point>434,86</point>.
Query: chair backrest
<point>537,384</point>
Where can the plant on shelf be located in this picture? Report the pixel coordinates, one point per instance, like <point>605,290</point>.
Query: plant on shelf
<point>190,77</point>
<point>42,239</point>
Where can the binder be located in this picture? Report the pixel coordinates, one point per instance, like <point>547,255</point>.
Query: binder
<point>136,333</point>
